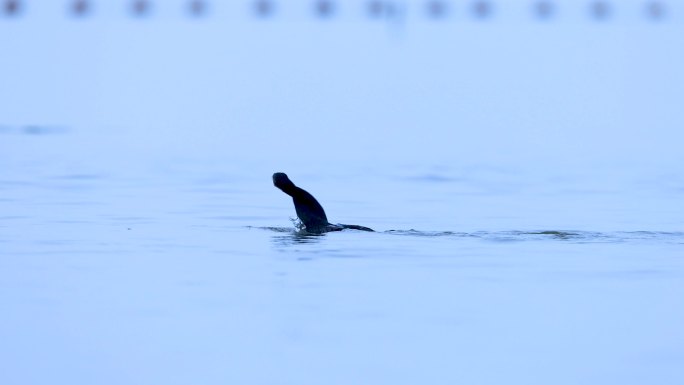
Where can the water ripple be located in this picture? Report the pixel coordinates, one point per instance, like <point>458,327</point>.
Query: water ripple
<point>574,236</point>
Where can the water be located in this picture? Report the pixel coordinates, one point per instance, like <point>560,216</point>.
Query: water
<point>184,267</point>
<point>523,175</point>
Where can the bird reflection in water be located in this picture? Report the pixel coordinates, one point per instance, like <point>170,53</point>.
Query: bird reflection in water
<point>293,238</point>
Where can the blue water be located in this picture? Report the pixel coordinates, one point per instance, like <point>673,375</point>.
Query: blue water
<point>523,174</point>
<point>163,270</point>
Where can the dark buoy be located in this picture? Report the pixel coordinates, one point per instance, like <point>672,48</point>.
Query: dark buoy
<point>309,211</point>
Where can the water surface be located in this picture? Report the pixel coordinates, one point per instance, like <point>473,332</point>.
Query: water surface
<point>160,268</point>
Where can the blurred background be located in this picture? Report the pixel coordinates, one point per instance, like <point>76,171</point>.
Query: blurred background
<point>552,82</point>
